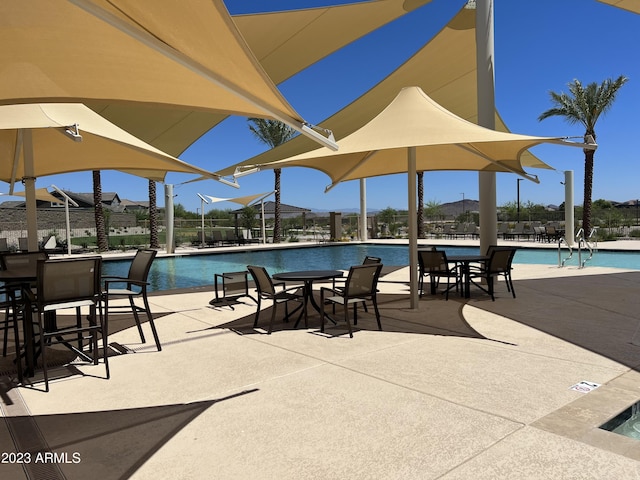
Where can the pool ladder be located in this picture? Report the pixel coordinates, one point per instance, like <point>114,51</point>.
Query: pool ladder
<point>583,244</point>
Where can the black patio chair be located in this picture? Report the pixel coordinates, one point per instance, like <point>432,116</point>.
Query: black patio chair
<point>133,286</point>
<point>434,264</point>
<point>70,284</point>
<point>499,264</point>
<point>229,287</point>
<point>10,318</point>
<point>276,292</point>
<point>360,287</point>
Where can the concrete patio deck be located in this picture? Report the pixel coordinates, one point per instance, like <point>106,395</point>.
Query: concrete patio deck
<point>454,390</point>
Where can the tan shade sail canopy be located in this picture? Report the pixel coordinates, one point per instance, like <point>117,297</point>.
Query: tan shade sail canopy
<point>244,200</point>
<point>185,56</point>
<point>630,5</point>
<point>283,42</point>
<point>442,141</point>
<point>287,42</point>
<point>451,84</point>
<point>46,139</point>
<point>103,146</point>
<point>41,194</point>
<point>413,133</point>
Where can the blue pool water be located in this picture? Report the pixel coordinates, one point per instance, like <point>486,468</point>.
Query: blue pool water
<point>198,270</point>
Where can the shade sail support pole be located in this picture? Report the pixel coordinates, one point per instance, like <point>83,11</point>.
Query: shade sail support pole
<point>363,210</point>
<point>569,217</point>
<point>262,223</point>
<point>168,215</point>
<point>486,118</point>
<point>413,234</point>
<point>29,181</point>
<point>67,200</point>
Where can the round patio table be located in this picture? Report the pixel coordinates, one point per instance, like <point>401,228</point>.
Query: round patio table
<point>308,277</point>
<point>464,261</point>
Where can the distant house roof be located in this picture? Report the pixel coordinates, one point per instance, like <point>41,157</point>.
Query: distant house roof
<point>86,199</point>
<point>134,204</point>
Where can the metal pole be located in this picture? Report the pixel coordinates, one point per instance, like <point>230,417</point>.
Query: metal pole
<point>569,220</point>
<point>202,222</point>
<point>518,183</point>
<point>67,200</point>
<point>486,118</point>
<point>264,230</point>
<point>413,234</point>
<point>168,207</point>
<point>29,181</point>
<point>363,209</point>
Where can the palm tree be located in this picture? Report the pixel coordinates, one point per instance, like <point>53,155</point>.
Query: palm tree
<point>584,105</point>
<point>153,216</point>
<point>101,234</point>
<point>273,133</point>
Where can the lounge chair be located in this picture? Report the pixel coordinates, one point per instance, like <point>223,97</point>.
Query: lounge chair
<point>520,230</point>
<point>551,234</point>
<point>503,230</point>
<point>471,230</point>
<point>458,231</point>
<point>23,244</point>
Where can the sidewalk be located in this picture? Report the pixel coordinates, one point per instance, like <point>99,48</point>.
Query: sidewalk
<point>453,390</point>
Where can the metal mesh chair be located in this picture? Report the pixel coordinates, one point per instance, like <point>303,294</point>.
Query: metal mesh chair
<point>434,264</point>
<point>8,304</point>
<point>361,285</point>
<point>133,286</point>
<point>233,285</point>
<point>70,284</point>
<point>276,292</point>
<point>499,264</point>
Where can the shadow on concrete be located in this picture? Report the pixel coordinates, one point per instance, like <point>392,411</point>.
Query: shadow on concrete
<point>115,443</point>
<point>597,312</point>
<point>435,316</point>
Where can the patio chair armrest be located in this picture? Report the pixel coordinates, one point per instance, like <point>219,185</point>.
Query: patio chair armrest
<point>137,283</point>
<point>112,277</point>
<point>335,291</point>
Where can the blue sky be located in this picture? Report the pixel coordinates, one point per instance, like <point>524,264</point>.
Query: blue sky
<point>539,46</point>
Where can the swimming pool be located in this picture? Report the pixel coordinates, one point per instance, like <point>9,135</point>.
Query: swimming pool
<point>190,271</point>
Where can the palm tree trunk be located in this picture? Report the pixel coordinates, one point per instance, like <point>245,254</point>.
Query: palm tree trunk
<point>276,216</point>
<point>420,205</point>
<point>153,216</point>
<point>101,234</point>
<point>588,186</point>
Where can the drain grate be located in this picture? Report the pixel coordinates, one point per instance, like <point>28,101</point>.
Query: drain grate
<point>26,436</point>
